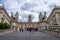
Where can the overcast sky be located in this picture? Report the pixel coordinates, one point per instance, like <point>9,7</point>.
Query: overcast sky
<point>29,7</point>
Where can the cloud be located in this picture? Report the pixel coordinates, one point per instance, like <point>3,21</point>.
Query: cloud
<point>30,7</point>
<point>27,6</point>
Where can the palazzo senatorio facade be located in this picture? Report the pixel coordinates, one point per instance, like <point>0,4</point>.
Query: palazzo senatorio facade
<point>44,23</point>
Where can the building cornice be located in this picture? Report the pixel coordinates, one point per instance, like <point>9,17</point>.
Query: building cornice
<point>55,8</point>
<point>28,22</point>
<point>2,8</point>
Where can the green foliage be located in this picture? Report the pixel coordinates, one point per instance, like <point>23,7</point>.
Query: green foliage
<point>4,26</point>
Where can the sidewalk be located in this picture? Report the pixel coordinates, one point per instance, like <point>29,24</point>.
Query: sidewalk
<point>52,33</point>
<point>2,32</point>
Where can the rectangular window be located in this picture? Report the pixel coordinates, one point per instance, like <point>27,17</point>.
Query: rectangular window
<point>2,20</point>
<point>1,15</point>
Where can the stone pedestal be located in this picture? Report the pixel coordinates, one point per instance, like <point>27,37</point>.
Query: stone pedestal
<point>43,26</point>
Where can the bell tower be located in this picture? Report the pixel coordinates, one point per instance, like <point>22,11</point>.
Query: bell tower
<point>29,18</point>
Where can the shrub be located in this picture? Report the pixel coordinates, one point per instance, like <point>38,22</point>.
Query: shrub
<point>4,26</point>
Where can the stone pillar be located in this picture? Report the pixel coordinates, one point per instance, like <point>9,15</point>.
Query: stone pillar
<point>17,28</point>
